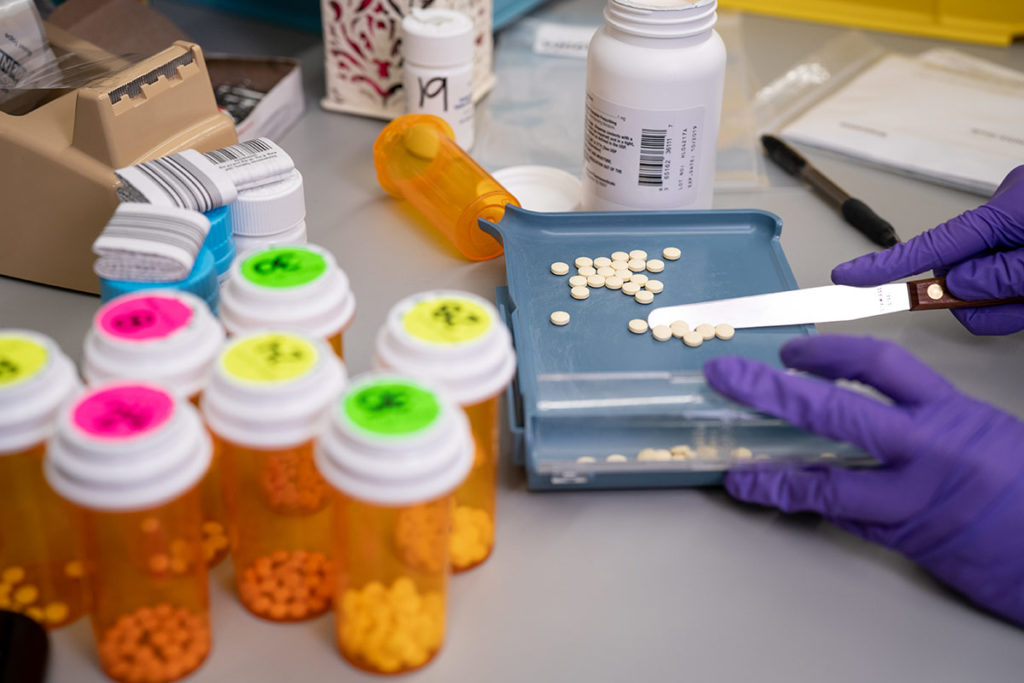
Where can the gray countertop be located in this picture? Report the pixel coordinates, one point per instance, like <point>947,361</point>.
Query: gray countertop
<point>625,585</point>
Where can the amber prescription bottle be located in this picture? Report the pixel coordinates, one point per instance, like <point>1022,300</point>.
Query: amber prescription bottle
<point>295,287</point>
<point>456,341</point>
<point>394,452</point>
<point>170,338</point>
<point>417,160</point>
<point>130,457</point>
<point>40,560</point>
<point>266,402</point>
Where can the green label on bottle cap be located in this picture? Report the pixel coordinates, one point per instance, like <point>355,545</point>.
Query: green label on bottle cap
<point>447,320</point>
<point>392,408</point>
<point>270,357</point>
<point>282,267</point>
<point>20,359</point>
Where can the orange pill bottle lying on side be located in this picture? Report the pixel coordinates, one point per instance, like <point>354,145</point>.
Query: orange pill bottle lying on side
<point>265,405</point>
<point>456,341</point>
<point>394,452</point>
<point>168,337</point>
<point>417,160</point>
<point>40,555</point>
<point>130,458</point>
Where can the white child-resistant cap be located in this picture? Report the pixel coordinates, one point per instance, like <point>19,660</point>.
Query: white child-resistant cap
<point>272,389</point>
<point>542,188</point>
<point>127,446</point>
<point>167,337</point>
<point>437,38</point>
<point>36,379</point>
<point>246,243</point>
<point>451,339</point>
<point>269,209</point>
<point>297,287</point>
<point>395,441</point>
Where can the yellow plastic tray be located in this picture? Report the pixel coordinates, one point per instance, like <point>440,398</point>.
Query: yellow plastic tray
<point>995,22</point>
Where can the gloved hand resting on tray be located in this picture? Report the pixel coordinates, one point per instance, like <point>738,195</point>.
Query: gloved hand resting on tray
<point>950,491</point>
<point>980,252</point>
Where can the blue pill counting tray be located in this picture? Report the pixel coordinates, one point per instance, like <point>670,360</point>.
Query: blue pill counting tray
<point>592,389</point>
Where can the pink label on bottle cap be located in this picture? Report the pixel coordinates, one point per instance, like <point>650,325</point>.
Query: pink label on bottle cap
<point>123,412</point>
<point>145,318</point>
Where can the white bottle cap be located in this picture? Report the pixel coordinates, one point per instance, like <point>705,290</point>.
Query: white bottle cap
<point>246,243</point>
<point>127,446</point>
<point>167,337</point>
<point>269,209</point>
<point>451,339</point>
<point>297,287</point>
<point>437,38</point>
<point>36,378</point>
<point>395,441</point>
<point>541,188</point>
<point>272,389</point>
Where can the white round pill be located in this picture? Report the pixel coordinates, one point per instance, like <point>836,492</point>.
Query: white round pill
<point>624,274</point>
<point>620,264</point>
<point>679,328</point>
<point>636,264</point>
<point>654,286</point>
<point>661,332</point>
<point>638,254</point>
<point>705,330</point>
<point>577,281</point>
<point>639,278</point>
<point>643,297</point>
<point>595,281</point>
<point>725,331</point>
<point>620,256</point>
<point>583,261</point>
<point>655,266</point>
<point>671,253</point>
<point>586,458</point>
<point>579,292</point>
<point>637,325</point>
<point>587,271</point>
<point>645,454</point>
<point>630,288</point>
<point>559,268</point>
<point>559,318</point>
<point>613,282</point>
<point>616,457</point>
<point>602,261</point>
<point>605,271</point>
<point>693,339</point>
<point>662,454</point>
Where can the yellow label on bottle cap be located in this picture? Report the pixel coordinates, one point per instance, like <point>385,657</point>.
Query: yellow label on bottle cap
<point>20,359</point>
<point>447,320</point>
<point>270,357</point>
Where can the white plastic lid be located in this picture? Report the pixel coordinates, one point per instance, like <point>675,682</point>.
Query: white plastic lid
<point>168,337</point>
<point>272,389</point>
<point>246,243</point>
<point>127,446</point>
<point>271,208</point>
<point>395,441</point>
<point>437,38</point>
<point>297,286</point>
<point>36,379</point>
<point>451,339</point>
<point>542,188</point>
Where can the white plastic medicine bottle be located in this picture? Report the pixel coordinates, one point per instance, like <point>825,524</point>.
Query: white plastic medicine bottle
<point>655,72</point>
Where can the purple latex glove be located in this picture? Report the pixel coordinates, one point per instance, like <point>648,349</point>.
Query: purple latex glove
<point>950,492</point>
<point>980,253</point>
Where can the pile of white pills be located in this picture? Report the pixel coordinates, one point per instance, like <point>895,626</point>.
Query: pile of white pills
<point>680,329</point>
<point>621,270</point>
<point>678,452</point>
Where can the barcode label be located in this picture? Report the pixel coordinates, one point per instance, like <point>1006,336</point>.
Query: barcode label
<point>253,163</point>
<point>148,243</point>
<point>652,157</point>
<point>186,180</point>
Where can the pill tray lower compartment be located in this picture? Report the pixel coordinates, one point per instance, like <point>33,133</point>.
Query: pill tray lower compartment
<point>592,388</point>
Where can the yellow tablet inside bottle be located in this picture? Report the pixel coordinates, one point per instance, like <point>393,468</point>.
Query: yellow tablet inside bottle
<point>41,567</point>
<point>456,341</point>
<point>265,405</point>
<point>130,457</point>
<point>393,454</point>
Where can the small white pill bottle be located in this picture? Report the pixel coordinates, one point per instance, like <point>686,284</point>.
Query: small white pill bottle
<point>437,73</point>
<point>655,73</point>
